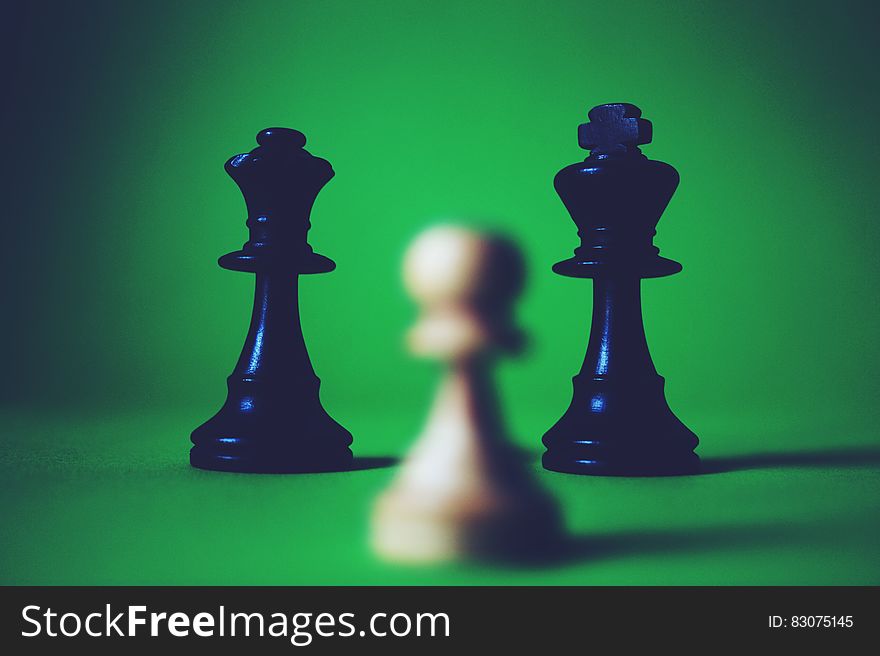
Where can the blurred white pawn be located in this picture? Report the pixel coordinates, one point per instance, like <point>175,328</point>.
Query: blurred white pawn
<point>461,491</point>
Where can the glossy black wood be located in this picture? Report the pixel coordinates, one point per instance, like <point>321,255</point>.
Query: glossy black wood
<point>273,420</point>
<point>618,422</point>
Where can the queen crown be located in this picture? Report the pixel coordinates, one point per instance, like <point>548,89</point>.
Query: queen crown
<point>280,181</point>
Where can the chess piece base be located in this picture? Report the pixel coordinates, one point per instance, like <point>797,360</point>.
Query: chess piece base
<point>261,431</point>
<point>407,529</point>
<point>615,429</point>
<point>622,465</point>
<point>269,462</point>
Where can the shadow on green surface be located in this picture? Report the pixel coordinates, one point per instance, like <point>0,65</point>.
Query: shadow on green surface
<point>844,457</point>
<point>361,463</point>
<point>609,546</point>
<point>596,547</point>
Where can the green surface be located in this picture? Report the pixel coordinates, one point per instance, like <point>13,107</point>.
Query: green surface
<point>90,505</point>
<point>121,328</point>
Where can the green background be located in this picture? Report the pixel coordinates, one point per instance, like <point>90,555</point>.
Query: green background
<point>120,328</point>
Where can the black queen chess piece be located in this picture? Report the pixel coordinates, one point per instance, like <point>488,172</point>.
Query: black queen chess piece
<point>272,420</point>
<point>618,422</point>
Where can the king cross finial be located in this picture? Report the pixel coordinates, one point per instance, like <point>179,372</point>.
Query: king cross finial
<point>615,127</point>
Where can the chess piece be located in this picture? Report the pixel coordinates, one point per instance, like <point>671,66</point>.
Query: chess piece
<point>273,420</point>
<point>618,422</point>
<point>462,492</point>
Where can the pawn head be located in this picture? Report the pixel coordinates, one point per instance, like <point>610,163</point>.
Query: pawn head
<point>465,282</point>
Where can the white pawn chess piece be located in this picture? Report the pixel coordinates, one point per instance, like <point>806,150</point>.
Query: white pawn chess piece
<point>461,492</point>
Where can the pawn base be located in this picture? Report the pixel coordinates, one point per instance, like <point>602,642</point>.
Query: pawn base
<point>409,528</point>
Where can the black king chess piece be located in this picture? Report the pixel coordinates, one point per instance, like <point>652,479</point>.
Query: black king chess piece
<point>618,422</point>
<point>273,420</point>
